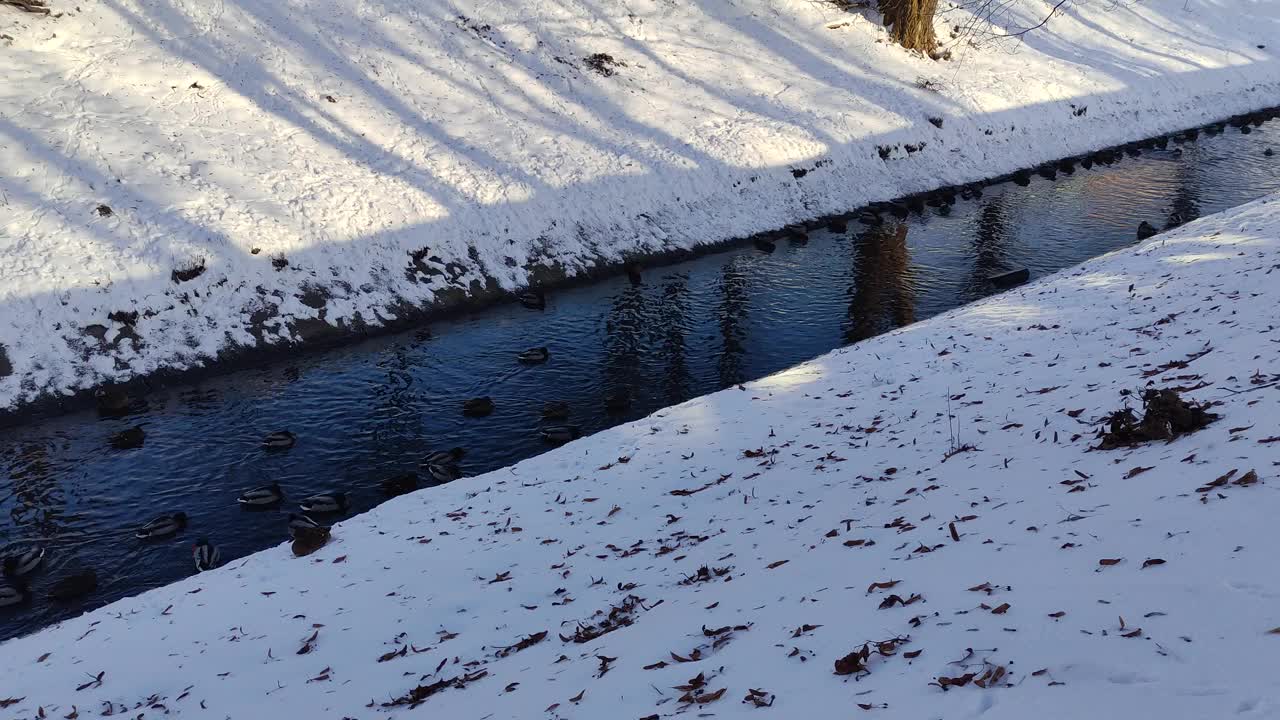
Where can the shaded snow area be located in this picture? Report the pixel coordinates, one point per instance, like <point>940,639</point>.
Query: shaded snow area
<point>823,542</point>
<point>186,177</point>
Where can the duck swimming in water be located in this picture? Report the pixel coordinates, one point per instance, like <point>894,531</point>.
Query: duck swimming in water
<point>23,563</point>
<point>555,410</point>
<point>74,586</point>
<point>111,400</point>
<point>325,503</point>
<point>130,439</point>
<point>400,484</point>
<point>279,440</point>
<point>533,356</point>
<point>437,457</point>
<point>444,472</point>
<point>560,435</point>
<point>299,523</point>
<point>264,496</point>
<point>477,407</point>
<point>162,526</point>
<point>13,595</point>
<point>205,554</point>
<point>533,299</point>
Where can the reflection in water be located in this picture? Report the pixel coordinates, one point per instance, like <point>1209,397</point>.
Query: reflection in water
<point>881,297</point>
<point>732,312</point>
<point>989,238</point>
<point>369,412</point>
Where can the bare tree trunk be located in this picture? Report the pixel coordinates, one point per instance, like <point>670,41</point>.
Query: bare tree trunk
<point>910,23</point>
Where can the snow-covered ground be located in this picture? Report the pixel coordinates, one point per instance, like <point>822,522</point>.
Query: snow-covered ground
<point>234,171</point>
<point>742,545</point>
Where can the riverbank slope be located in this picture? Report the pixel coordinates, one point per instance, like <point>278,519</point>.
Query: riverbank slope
<point>185,180</point>
<point>935,497</point>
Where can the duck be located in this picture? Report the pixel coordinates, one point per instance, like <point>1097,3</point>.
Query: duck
<point>302,523</point>
<point>477,407</point>
<point>23,563</point>
<point>533,299</point>
<point>130,439</point>
<point>400,484</point>
<point>561,434</point>
<point>764,244</point>
<point>1146,230</point>
<point>13,595</point>
<point>279,440</point>
<point>633,273</point>
<point>74,586</point>
<point>205,554</point>
<point>325,503</point>
<point>533,356</point>
<point>444,472</point>
<point>437,457</point>
<point>307,541</point>
<point>262,496</point>
<point>617,401</point>
<point>162,526</point>
<point>112,400</point>
<point>555,410</point>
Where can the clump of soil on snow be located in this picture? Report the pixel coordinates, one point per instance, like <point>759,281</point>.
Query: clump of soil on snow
<point>1165,416</point>
<point>603,63</point>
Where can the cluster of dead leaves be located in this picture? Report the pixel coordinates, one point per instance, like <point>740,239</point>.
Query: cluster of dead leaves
<point>991,676</point>
<point>421,693</point>
<point>617,617</point>
<point>696,692</point>
<point>1222,481</point>
<point>706,574</point>
<point>856,661</point>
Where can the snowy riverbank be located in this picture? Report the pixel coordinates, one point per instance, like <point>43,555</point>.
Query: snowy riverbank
<point>1074,582</point>
<point>184,177</point>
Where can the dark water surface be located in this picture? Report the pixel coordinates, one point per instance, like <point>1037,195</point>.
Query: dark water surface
<point>370,411</point>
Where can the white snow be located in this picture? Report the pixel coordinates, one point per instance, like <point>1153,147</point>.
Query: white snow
<point>342,136</point>
<point>776,481</point>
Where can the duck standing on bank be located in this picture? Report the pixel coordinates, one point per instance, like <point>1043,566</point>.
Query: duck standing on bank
<point>163,526</point>
<point>300,523</point>
<point>205,554</point>
<point>23,563</point>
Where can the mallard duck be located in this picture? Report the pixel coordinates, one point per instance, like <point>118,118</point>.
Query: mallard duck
<point>162,526</point>
<point>1146,230</point>
<point>205,554</point>
<point>764,244</point>
<point>307,541</point>
<point>617,401</point>
<point>325,503</point>
<point>400,484</point>
<point>262,496</point>
<point>444,456</point>
<point>533,299</point>
<point>13,595</point>
<point>279,440</point>
<point>633,273</point>
<point>555,410</point>
<point>477,407</point>
<point>130,439</point>
<point>23,563</point>
<point>561,434</point>
<point>534,355</point>
<point>112,400</point>
<point>74,586</point>
<point>298,523</point>
<point>444,472</point>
